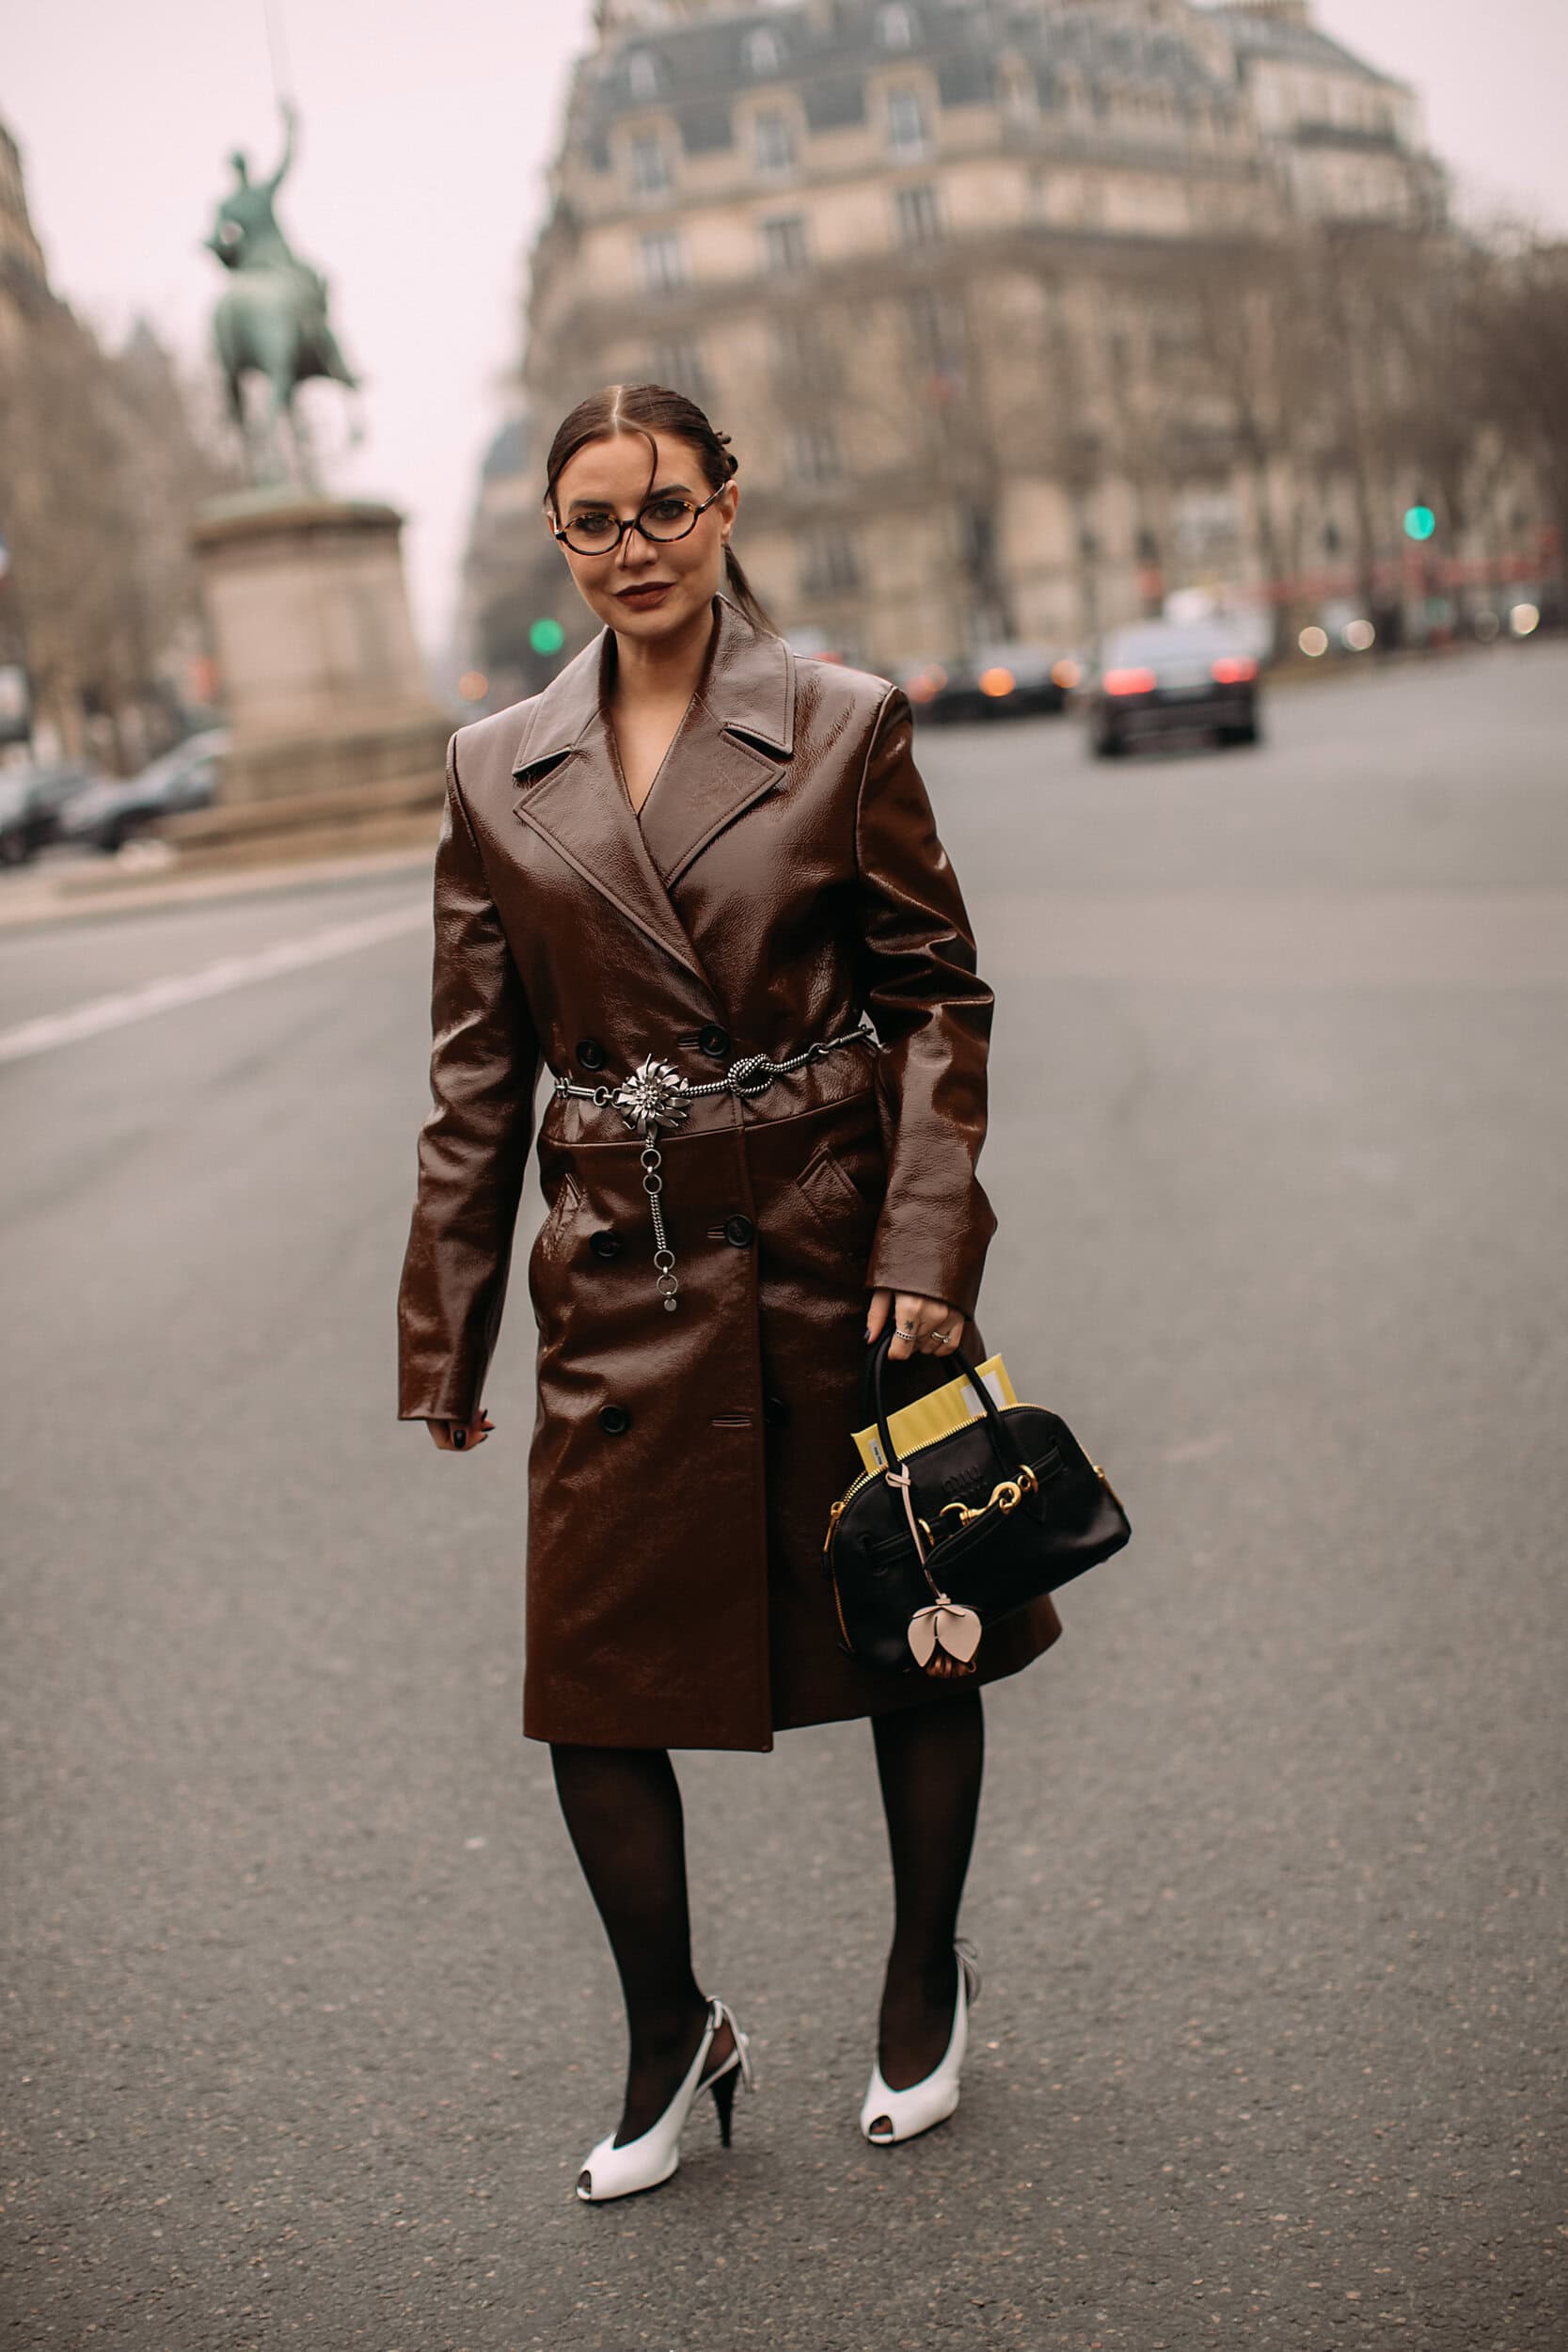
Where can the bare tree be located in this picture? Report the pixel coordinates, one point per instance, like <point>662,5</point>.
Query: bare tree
<point>99,472</point>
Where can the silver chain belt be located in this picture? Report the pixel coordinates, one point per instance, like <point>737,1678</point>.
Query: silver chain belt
<point>656,1095</point>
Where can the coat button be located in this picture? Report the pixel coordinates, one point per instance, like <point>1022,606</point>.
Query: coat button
<point>605,1245</point>
<point>714,1040</point>
<point>740,1230</point>
<point>615,1418</point>
<point>775,1411</point>
<point>590,1052</point>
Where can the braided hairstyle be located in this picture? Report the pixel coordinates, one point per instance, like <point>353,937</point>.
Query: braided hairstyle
<point>649,408</point>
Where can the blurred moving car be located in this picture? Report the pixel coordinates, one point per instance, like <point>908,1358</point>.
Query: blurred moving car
<point>1001,681</point>
<point>1158,678</point>
<point>111,812</point>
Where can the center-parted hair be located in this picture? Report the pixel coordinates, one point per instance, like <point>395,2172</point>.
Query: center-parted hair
<point>650,408</point>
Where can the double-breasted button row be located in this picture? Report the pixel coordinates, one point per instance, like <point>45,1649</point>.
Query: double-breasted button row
<point>713,1038</point>
<point>737,1230</point>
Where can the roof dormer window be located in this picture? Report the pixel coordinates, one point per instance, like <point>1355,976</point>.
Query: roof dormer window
<point>896,26</point>
<point>762,51</point>
<point>643,75</point>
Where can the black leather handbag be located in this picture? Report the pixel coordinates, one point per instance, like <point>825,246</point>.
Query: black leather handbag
<point>926,1554</point>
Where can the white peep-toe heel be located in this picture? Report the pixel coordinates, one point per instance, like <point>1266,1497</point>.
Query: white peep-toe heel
<point>609,2171</point>
<point>888,2114</point>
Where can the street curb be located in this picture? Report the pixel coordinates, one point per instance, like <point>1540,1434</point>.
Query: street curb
<point>131,897</point>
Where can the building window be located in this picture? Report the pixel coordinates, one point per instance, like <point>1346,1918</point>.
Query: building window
<point>806,360</point>
<point>1020,98</point>
<point>762,51</point>
<point>774,138</point>
<point>829,564</point>
<point>650,169</point>
<point>905,122</point>
<point>937,338</point>
<point>783,244</point>
<point>815,452</point>
<point>663,260</point>
<point>642,75</point>
<point>896,26</point>
<point>919,222</point>
<point>678,362</point>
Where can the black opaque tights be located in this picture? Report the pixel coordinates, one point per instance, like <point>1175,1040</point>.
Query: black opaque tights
<point>623,1812</point>
<point>930,1761</point>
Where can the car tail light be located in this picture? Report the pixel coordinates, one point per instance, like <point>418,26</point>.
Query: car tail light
<point>1235,671</point>
<point>997,681</point>
<point>1129,682</point>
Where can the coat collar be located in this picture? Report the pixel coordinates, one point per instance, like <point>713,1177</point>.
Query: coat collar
<point>739,727</point>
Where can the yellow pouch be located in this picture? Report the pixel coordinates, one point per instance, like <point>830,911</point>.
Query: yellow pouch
<point>937,1413</point>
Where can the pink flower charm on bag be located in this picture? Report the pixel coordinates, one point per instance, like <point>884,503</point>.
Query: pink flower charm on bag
<point>944,1638</point>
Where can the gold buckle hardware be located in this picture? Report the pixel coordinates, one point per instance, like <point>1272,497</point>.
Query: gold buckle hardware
<point>1006,1495</point>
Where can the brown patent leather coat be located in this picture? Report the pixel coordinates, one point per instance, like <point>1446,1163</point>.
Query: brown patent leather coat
<point>784,876</point>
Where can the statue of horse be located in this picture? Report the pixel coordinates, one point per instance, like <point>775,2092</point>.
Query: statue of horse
<point>272,321</point>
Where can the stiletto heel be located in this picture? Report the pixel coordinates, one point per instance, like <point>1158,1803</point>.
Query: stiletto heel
<point>609,2171</point>
<point>888,2114</point>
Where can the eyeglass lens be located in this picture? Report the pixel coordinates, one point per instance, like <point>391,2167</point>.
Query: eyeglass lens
<point>596,531</point>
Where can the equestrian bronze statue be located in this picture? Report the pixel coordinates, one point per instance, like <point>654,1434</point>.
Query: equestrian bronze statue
<point>271,321</point>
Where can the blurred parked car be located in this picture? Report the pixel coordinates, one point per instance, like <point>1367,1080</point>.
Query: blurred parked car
<point>1156,677</point>
<point>1001,681</point>
<point>36,799</point>
<point>111,812</point>
<point>25,825</point>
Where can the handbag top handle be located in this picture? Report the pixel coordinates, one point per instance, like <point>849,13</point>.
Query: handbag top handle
<point>873,1408</point>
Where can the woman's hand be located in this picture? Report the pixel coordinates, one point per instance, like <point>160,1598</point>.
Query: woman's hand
<point>461,1436</point>
<point>922,1326</point>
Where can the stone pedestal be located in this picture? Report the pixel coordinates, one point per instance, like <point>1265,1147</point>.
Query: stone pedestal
<point>321,679</point>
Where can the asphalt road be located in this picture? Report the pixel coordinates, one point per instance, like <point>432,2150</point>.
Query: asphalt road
<point>308,2021</point>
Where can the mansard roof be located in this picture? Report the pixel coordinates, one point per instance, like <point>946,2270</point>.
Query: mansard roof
<point>1264,35</point>
<point>692,67</point>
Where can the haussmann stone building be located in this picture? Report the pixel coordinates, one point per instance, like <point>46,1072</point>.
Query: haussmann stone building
<point>924,261</point>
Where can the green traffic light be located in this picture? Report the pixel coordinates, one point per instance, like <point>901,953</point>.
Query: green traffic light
<point>1419,522</point>
<point>547,636</point>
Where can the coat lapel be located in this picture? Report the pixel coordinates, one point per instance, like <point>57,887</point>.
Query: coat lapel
<point>732,745</point>
<point>728,752</point>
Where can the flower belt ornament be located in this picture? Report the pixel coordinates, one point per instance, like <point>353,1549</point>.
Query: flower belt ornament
<point>647,1101</point>
<point>656,1096</point>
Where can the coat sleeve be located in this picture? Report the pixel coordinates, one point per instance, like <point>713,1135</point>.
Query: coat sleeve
<point>933,1015</point>
<point>473,1145</point>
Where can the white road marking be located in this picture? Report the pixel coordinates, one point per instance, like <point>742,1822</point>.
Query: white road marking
<point>212,979</point>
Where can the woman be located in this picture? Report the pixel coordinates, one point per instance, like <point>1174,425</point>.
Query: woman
<point>692,855</point>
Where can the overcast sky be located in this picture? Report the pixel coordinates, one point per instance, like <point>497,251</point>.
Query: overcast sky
<point>428,127</point>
